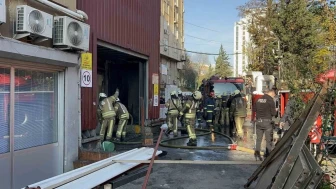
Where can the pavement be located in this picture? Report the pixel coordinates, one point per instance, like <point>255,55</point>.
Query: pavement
<point>186,176</point>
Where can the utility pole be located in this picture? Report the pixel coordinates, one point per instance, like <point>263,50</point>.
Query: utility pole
<point>278,57</point>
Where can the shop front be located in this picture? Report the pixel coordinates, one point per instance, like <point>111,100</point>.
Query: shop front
<point>38,140</point>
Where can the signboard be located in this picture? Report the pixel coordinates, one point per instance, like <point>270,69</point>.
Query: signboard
<point>86,78</point>
<point>164,69</point>
<point>155,78</point>
<point>86,63</point>
<point>156,100</point>
<point>156,89</point>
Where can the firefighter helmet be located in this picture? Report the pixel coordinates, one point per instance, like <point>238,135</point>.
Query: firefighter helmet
<point>173,93</point>
<point>102,95</point>
<point>197,95</point>
<point>117,100</point>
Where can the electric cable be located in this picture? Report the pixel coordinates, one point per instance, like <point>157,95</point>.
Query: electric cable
<point>202,27</point>
<point>195,52</point>
<point>206,39</point>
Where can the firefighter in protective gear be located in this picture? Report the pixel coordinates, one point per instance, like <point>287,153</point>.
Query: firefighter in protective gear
<point>238,112</point>
<point>199,112</point>
<point>174,107</point>
<point>181,102</point>
<point>189,113</point>
<point>209,108</point>
<point>217,112</point>
<point>225,120</point>
<point>123,116</point>
<point>108,114</point>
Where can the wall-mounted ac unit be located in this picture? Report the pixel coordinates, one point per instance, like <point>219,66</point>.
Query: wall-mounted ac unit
<point>71,34</point>
<point>2,11</point>
<point>33,22</point>
<point>183,58</point>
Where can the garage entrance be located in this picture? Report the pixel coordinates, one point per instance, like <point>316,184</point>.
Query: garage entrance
<point>118,68</point>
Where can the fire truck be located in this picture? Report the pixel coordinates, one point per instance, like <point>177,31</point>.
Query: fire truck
<point>220,85</point>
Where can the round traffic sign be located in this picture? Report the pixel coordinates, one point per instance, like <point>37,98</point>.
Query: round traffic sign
<point>86,78</point>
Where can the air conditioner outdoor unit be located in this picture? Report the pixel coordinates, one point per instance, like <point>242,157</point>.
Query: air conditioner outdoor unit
<point>2,11</point>
<point>183,57</point>
<point>71,34</point>
<point>33,22</point>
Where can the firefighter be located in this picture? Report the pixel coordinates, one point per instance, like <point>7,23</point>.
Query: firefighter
<point>225,120</point>
<point>108,114</point>
<point>265,109</point>
<point>209,107</point>
<point>180,97</point>
<point>189,113</point>
<point>217,112</point>
<point>238,113</point>
<point>173,112</point>
<point>199,113</point>
<point>123,116</point>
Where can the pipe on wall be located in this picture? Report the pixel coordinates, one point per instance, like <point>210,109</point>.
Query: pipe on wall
<point>81,15</point>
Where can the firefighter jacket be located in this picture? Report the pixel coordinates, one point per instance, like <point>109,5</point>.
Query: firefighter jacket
<point>238,106</point>
<point>209,105</point>
<point>121,111</point>
<point>174,106</point>
<point>107,108</point>
<point>190,108</point>
<point>225,101</point>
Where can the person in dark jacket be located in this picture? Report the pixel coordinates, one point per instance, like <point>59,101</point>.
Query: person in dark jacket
<point>209,108</point>
<point>265,109</point>
<point>238,113</point>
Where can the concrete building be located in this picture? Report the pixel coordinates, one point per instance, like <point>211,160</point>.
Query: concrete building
<point>39,95</point>
<point>171,41</point>
<point>241,41</point>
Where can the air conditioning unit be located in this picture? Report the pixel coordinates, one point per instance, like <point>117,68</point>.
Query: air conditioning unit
<point>2,11</point>
<point>183,57</point>
<point>71,34</point>
<point>33,22</point>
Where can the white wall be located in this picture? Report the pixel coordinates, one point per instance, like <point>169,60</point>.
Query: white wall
<point>242,32</point>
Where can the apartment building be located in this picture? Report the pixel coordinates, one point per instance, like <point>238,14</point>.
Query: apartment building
<point>241,41</point>
<point>39,93</point>
<point>171,42</point>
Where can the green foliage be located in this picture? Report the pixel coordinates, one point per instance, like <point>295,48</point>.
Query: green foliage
<point>223,67</point>
<point>189,75</point>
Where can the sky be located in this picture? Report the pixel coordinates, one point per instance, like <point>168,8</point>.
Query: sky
<point>217,15</point>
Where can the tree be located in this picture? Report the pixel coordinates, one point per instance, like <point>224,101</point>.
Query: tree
<point>189,75</point>
<point>211,72</point>
<point>200,61</point>
<point>223,67</point>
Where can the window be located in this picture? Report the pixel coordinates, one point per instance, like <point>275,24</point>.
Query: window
<point>4,109</point>
<point>35,117</point>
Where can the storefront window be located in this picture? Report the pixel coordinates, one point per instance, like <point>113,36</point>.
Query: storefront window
<point>4,109</point>
<point>35,118</point>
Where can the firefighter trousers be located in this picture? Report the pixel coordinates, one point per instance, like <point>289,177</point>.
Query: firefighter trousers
<point>217,117</point>
<point>107,124</point>
<point>209,118</point>
<point>239,121</point>
<point>121,131</point>
<point>225,120</point>
<point>172,123</point>
<point>189,122</point>
<point>264,127</point>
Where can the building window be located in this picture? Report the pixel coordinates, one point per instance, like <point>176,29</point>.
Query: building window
<point>4,109</point>
<point>35,117</point>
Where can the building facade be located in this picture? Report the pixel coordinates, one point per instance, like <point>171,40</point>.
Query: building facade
<point>39,95</point>
<point>125,48</point>
<point>172,56</point>
<point>241,42</point>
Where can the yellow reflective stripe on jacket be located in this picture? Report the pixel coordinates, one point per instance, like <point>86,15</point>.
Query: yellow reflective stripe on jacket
<point>209,111</point>
<point>210,105</point>
<point>173,111</point>
<point>190,115</point>
<point>109,114</point>
<point>124,116</point>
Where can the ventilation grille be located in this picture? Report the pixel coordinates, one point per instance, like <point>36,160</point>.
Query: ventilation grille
<point>58,30</point>
<point>75,33</point>
<point>20,19</point>
<point>36,21</point>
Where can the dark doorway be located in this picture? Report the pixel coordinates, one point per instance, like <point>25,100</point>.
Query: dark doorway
<point>125,72</point>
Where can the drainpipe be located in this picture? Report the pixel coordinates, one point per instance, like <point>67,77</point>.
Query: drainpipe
<point>78,14</point>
